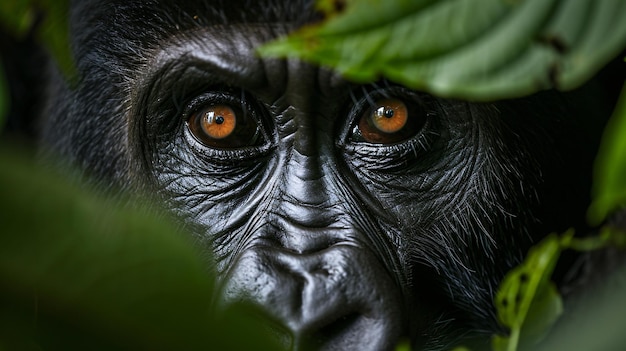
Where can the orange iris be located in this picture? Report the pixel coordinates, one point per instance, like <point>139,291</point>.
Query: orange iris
<point>218,121</point>
<point>390,116</point>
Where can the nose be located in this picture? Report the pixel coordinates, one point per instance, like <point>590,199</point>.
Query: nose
<point>339,298</point>
<point>304,198</point>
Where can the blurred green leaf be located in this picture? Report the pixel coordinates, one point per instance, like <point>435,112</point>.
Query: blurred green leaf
<point>609,186</point>
<point>49,19</point>
<point>607,237</point>
<point>595,320</point>
<point>527,302</point>
<point>403,345</point>
<point>17,16</point>
<point>4,97</point>
<point>545,309</point>
<point>54,33</point>
<point>473,49</point>
<point>79,271</point>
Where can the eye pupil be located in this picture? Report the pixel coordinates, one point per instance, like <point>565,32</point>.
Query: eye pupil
<point>390,116</point>
<point>219,122</point>
<point>224,126</point>
<point>389,120</point>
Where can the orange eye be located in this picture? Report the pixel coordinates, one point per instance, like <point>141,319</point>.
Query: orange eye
<point>389,121</point>
<point>225,126</point>
<point>218,122</point>
<point>389,116</point>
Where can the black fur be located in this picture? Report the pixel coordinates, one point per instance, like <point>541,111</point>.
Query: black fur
<point>446,223</point>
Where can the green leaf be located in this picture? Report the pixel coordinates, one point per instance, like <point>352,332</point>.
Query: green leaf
<point>527,302</point>
<point>79,271</point>
<point>595,320</point>
<point>500,343</point>
<point>403,345</point>
<point>609,186</point>
<point>17,16</point>
<point>4,98</point>
<point>20,17</point>
<point>473,49</point>
<point>54,33</point>
<point>546,308</point>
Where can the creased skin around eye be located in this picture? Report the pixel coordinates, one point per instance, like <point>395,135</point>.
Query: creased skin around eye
<point>389,121</point>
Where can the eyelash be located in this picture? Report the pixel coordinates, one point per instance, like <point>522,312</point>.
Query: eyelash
<point>230,156</point>
<point>386,154</point>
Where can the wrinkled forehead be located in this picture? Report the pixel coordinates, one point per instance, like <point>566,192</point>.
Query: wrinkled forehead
<point>147,13</point>
<point>121,27</point>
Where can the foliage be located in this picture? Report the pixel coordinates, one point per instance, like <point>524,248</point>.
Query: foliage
<point>49,20</point>
<point>600,322</point>
<point>527,301</point>
<point>527,298</point>
<point>471,49</point>
<point>79,271</point>
<point>486,50</point>
<point>609,189</point>
<point>4,98</point>
<point>17,16</point>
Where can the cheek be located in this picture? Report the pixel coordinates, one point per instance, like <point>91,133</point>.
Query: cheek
<point>425,188</point>
<point>217,197</point>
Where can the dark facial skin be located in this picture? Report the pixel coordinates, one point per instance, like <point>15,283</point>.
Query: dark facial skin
<point>348,236</point>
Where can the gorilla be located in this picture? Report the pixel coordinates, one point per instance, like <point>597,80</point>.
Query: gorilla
<point>356,215</point>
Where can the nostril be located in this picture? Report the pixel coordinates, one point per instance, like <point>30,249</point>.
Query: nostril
<point>339,298</point>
